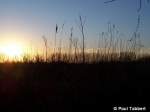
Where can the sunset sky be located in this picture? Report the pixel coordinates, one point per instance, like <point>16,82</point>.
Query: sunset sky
<point>25,21</point>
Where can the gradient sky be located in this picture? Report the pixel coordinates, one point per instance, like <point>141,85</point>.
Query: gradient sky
<point>28,20</point>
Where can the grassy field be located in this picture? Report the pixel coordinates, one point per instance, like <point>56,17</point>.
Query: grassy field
<point>44,86</point>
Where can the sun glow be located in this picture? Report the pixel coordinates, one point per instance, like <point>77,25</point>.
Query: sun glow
<point>12,50</point>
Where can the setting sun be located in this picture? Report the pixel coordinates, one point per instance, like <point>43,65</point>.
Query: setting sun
<point>12,50</point>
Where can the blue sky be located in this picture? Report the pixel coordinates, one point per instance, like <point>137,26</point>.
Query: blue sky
<point>30,19</point>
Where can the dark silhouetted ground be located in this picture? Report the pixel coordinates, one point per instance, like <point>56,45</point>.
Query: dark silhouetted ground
<point>61,86</point>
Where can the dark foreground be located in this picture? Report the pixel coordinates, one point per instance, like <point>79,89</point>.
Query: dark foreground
<point>60,86</point>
